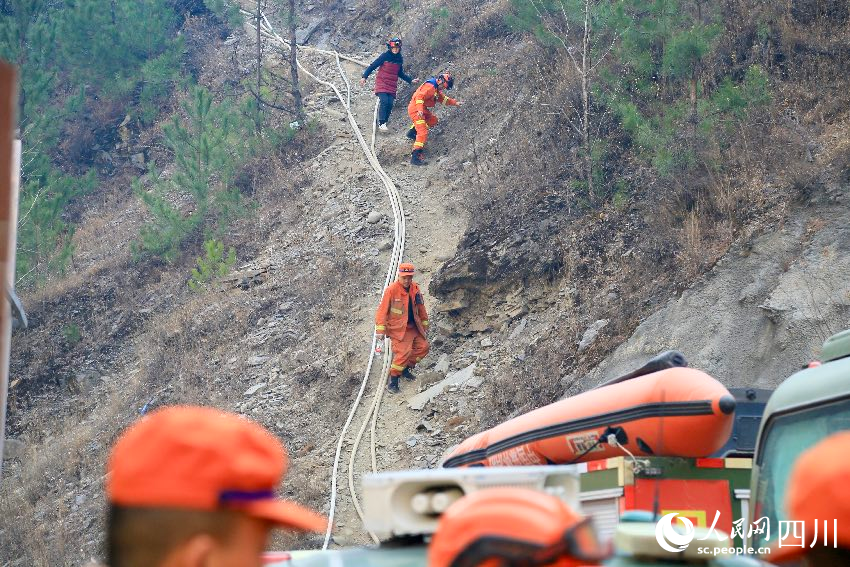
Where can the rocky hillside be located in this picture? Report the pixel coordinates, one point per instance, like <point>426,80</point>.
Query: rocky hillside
<point>538,287</point>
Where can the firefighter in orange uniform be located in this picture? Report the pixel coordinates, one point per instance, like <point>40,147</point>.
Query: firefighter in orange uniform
<point>425,97</point>
<point>402,317</point>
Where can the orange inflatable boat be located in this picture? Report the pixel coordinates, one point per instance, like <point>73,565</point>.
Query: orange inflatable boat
<point>674,412</point>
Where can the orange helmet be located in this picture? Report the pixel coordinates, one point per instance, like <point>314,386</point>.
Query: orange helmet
<point>512,527</point>
<point>406,269</point>
<point>447,79</point>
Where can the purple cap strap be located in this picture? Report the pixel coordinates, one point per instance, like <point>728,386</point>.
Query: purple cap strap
<point>244,495</point>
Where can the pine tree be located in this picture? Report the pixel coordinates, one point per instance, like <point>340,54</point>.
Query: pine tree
<point>106,48</point>
<point>207,145</point>
<point>27,37</point>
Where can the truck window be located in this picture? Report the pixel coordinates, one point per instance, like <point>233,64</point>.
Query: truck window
<point>787,436</point>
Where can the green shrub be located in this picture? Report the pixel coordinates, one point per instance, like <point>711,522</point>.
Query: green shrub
<point>71,333</point>
<point>213,265</point>
<point>227,12</point>
<point>159,75</point>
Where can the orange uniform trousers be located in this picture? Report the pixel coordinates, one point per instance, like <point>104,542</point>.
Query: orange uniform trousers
<point>422,126</point>
<point>409,350</point>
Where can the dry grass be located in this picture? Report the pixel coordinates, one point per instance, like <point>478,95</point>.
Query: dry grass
<point>692,243</point>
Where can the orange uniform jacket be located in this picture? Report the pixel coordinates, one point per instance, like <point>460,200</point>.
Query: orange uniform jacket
<point>391,318</point>
<point>427,96</point>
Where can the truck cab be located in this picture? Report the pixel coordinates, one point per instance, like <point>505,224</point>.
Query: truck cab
<point>808,407</point>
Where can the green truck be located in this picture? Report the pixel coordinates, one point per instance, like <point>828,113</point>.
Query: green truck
<point>806,408</point>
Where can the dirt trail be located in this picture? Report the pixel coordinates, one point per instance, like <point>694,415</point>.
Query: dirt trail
<point>434,227</point>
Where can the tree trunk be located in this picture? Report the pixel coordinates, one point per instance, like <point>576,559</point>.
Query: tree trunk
<point>258,117</point>
<point>293,66</point>
<point>585,100</point>
<point>693,119</point>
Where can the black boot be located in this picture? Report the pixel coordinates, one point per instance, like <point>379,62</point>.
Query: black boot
<point>408,375</point>
<point>416,158</point>
<point>392,387</point>
<point>411,133</point>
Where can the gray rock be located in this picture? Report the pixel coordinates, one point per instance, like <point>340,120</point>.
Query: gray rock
<point>590,334</point>
<point>14,449</point>
<point>411,442</point>
<point>442,365</point>
<point>84,382</point>
<point>302,36</point>
<point>254,389</point>
<point>257,360</point>
<point>487,342</point>
<point>453,380</point>
<point>138,159</point>
<point>519,329</point>
<point>343,540</point>
<point>374,217</point>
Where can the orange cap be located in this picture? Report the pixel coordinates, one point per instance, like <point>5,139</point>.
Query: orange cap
<point>203,459</point>
<point>509,525</point>
<point>818,490</point>
<point>405,269</point>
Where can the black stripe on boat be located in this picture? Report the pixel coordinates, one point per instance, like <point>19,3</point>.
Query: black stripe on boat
<point>658,409</point>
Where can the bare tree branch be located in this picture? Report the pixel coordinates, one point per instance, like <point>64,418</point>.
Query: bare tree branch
<point>262,101</point>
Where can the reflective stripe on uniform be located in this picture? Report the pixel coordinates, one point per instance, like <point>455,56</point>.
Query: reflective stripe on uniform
<point>420,101</point>
<point>419,122</point>
<point>425,323</point>
<point>418,359</point>
<point>397,367</point>
<point>380,328</point>
<point>418,144</point>
<point>396,311</point>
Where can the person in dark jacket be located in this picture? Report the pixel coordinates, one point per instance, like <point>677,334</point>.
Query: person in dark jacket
<point>390,65</point>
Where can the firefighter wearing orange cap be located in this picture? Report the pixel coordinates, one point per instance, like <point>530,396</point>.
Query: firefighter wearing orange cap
<point>513,527</point>
<point>192,486</point>
<point>402,317</point>
<point>427,96</point>
<point>818,504</point>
